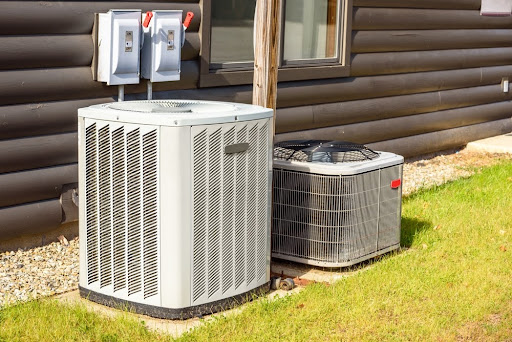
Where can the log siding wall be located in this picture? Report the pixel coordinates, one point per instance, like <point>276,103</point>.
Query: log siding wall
<point>425,76</point>
<point>46,50</point>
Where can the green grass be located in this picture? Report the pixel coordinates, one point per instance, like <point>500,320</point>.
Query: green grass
<point>452,282</point>
<point>50,320</point>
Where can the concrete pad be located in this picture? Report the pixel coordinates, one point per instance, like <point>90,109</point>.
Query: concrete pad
<point>303,274</point>
<point>498,144</point>
<point>174,328</point>
<point>170,327</point>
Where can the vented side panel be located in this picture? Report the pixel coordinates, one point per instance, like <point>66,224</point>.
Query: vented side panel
<point>231,197</point>
<point>263,203</point>
<point>252,203</point>
<point>214,212</point>
<point>390,208</point>
<point>121,210</point>
<point>200,233</point>
<point>134,212</point>
<point>150,218</point>
<point>240,210</point>
<point>105,207</point>
<point>228,214</point>
<point>91,186</point>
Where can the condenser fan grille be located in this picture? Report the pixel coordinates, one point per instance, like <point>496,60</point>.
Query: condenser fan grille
<point>172,106</point>
<point>323,151</point>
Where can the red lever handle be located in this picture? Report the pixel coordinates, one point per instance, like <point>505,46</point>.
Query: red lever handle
<point>188,19</point>
<point>147,20</point>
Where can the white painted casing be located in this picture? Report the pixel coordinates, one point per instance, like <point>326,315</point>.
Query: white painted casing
<point>119,47</point>
<point>204,214</point>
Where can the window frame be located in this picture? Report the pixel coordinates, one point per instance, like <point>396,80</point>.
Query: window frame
<point>318,69</point>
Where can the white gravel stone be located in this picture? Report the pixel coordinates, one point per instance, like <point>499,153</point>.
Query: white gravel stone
<point>53,269</point>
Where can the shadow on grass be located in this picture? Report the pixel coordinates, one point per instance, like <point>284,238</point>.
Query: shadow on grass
<point>410,228</point>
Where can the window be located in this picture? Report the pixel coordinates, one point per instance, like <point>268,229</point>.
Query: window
<point>314,40</point>
<point>232,32</point>
<point>310,31</point>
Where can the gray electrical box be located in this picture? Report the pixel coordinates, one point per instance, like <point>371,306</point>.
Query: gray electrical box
<point>161,51</point>
<point>119,47</point>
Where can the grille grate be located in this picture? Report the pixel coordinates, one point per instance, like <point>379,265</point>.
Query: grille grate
<point>172,106</point>
<point>334,219</point>
<point>241,210</point>
<point>214,215</point>
<point>228,216</point>
<point>105,210</point>
<point>91,185</point>
<point>230,204</point>
<point>150,219</point>
<point>323,151</point>
<point>200,215</point>
<point>119,212</point>
<point>134,211</point>
<point>121,225</point>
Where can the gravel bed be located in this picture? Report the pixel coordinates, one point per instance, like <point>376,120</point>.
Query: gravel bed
<point>437,169</point>
<point>38,272</point>
<point>53,269</point>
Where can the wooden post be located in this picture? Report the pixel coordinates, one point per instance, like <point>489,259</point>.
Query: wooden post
<point>265,54</point>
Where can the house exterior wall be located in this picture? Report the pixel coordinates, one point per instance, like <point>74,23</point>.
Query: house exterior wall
<point>425,76</point>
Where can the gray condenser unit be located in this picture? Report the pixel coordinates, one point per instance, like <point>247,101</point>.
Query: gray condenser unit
<point>335,203</point>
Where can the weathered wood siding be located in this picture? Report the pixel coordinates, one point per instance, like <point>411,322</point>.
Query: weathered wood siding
<point>425,76</point>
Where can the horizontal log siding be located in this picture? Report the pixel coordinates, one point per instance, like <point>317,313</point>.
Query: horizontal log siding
<point>386,63</point>
<point>37,152</point>
<point>34,85</point>
<point>326,115</point>
<point>425,76</point>
<point>442,140</point>
<point>419,68</point>
<point>436,4</point>
<point>424,19</point>
<point>46,49</point>
<point>387,129</point>
<point>36,185</point>
<point>30,218</point>
<point>75,17</point>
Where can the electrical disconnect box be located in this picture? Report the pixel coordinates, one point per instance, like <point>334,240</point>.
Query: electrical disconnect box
<point>161,51</point>
<point>118,42</point>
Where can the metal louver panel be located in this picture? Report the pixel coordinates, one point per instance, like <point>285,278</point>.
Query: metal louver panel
<point>263,203</point>
<point>214,214</point>
<point>240,210</point>
<point>104,171</point>
<point>228,216</point>
<point>230,209</point>
<point>121,209</point>
<point>252,203</point>
<point>200,223</point>
<point>134,211</point>
<point>91,186</point>
<point>118,208</point>
<point>150,219</point>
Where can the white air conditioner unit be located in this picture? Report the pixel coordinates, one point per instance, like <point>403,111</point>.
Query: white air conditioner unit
<point>174,205</point>
<point>335,203</point>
